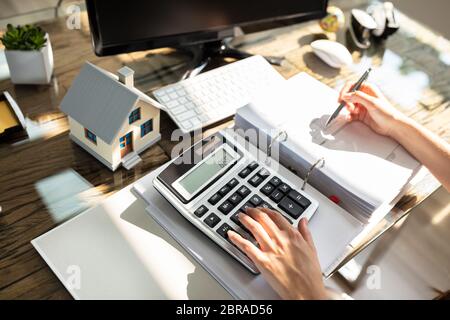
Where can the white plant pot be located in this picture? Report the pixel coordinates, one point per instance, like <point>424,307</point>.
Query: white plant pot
<point>31,67</point>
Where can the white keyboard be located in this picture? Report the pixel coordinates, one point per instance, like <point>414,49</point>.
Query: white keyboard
<point>217,94</point>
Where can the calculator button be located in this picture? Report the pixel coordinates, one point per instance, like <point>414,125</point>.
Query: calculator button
<point>235,219</point>
<point>275,181</point>
<point>291,207</point>
<point>245,172</point>
<point>201,211</point>
<point>301,200</point>
<point>214,199</point>
<point>284,188</point>
<point>255,180</point>
<point>243,191</point>
<point>255,200</point>
<point>235,198</point>
<point>246,206</point>
<point>224,190</point>
<point>276,196</point>
<point>212,220</point>
<point>264,173</point>
<point>226,207</point>
<point>265,205</point>
<point>223,230</point>
<point>252,166</point>
<point>233,183</point>
<point>267,189</point>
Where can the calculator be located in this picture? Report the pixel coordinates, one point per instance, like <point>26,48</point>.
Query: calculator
<point>217,178</point>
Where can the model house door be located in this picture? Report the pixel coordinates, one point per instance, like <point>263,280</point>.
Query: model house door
<point>126,144</point>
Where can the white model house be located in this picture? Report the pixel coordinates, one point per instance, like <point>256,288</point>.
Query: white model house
<point>109,117</point>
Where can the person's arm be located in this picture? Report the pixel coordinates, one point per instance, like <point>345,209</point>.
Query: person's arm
<point>371,107</point>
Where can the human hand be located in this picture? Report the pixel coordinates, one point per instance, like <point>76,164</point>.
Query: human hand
<point>371,107</point>
<point>286,257</point>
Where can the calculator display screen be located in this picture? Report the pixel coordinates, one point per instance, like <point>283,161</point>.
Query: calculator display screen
<point>206,170</point>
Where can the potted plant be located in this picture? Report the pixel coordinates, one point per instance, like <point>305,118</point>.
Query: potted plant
<point>29,54</point>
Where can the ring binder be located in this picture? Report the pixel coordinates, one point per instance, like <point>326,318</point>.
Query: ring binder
<point>274,139</point>
<point>320,162</point>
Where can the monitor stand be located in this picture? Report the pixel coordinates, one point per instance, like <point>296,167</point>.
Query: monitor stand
<point>203,53</point>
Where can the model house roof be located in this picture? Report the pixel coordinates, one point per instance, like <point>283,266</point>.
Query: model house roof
<point>100,102</point>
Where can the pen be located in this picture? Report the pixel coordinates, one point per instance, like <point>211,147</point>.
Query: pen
<point>356,87</point>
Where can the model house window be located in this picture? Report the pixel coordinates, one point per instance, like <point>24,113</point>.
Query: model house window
<point>135,115</point>
<point>90,136</point>
<point>146,127</point>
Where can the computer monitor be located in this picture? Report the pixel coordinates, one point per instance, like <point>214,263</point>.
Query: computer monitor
<point>119,26</point>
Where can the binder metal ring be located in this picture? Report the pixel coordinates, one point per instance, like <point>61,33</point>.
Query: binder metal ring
<point>276,138</point>
<point>320,164</point>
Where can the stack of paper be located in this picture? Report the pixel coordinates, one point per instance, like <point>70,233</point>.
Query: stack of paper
<point>363,170</point>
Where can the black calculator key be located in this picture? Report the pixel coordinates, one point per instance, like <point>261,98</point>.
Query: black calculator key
<point>223,230</point>
<point>291,207</point>
<point>275,181</point>
<point>265,205</point>
<point>267,189</point>
<point>235,198</point>
<point>215,198</point>
<point>235,219</point>
<point>243,191</point>
<point>252,166</point>
<point>200,212</point>
<point>277,195</point>
<point>246,206</point>
<point>212,220</point>
<point>255,200</point>
<point>226,207</point>
<point>255,180</point>
<point>233,183</point>
<point>264,173</point>
<point>284,188</point>
<point>224,190</point>
<point>301,200</point>
<point>245,172</point>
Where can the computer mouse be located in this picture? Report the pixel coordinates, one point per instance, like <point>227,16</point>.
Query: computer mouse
<point>332,53</point>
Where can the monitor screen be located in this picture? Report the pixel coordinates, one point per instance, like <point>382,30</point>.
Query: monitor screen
<point>146,24</point>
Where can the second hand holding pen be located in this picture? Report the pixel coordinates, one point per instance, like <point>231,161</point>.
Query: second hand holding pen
<point>356,87</point>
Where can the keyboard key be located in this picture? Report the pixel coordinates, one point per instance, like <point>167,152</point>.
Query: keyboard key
<point>215,198</point>
<point>186,124</point>
<point>200,212</point>
<point>275,181</point>
<point>301,200</point>
<point>226,207</point>
<point>264,173</point>
<point>284,188</point>
<point>235,219</point>
<point>243,191</point>
<point>267,189</point>
<point>224,190</point>
<point>173,95</point>
<point>164,99</point>
<point>244,173</point>
<point>186,115</point>
<point>252,166</point>
<point>178,110</point>
<point>233,183</point>
<point>255,200</point>
<point>291,207</point>
<point>256,180</point>
<point>246,206</point>
<point>277,195</point>
<point>235,199</point>
<point>223,230</point>
<point>172,104</point>
<point>212,220</point>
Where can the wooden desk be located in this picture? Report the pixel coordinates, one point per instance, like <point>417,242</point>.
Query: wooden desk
<point>415,51</point>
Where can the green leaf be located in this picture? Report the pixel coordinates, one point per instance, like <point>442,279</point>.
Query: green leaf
<point>28,37</point>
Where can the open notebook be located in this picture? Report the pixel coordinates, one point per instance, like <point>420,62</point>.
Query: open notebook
<point>364,170</point>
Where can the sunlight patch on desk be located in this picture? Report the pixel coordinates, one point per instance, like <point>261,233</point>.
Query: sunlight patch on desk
<point>397,79</point>
<point>67,194</point>
<point>4,70</point>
